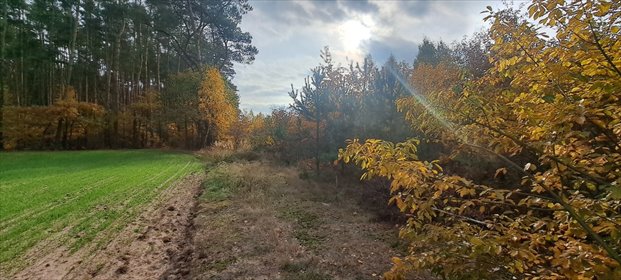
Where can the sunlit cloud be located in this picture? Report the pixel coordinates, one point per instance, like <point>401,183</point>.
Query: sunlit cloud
<point>353,33</point>
<point>290,35</point>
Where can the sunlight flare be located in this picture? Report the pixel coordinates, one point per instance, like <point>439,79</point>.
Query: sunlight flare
<point>354,32</point>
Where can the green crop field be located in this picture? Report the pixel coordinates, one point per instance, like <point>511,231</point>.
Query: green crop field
<point>79,197</point>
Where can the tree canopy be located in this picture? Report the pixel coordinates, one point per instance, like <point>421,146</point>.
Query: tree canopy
<point>116,54</point>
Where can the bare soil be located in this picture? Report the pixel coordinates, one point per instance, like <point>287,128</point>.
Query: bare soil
<point>142,250</point>
<point>273,225</point>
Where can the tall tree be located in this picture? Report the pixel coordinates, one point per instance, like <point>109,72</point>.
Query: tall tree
<point>115,52</point>
<point>216,112</point>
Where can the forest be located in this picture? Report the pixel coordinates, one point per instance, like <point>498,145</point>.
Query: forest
<point>500,152</point>
<point>89,74</point>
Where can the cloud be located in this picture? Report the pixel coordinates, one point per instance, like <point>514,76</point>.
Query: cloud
<point>363,6</point>
<point>290,35</point>
<point>402,49</point>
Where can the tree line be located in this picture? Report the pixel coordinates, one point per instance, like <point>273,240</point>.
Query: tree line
<point>127,68</point>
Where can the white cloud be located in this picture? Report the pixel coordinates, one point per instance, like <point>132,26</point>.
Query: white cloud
<point>290,35</point>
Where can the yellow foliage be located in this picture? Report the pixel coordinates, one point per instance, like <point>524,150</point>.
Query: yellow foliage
<point>213,105</point>
<point>552,101</point>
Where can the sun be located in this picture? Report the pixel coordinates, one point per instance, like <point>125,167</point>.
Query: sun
<point>353,32</point>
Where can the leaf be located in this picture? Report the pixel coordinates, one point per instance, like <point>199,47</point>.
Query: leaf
<point>530,166</point>
<point>615,192</point>
<point>519,265</point>
<point>500,172</point>
<point>466,191</point>
<point>604,7</point>
<point>400,204</point>
<point>476,241</point>
<point>531,10</point>
<point>580,120</point>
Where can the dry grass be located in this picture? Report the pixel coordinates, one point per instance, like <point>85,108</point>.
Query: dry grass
<point>258,220</point>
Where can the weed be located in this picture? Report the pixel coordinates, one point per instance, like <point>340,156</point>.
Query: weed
<point>294,267</point>
<point>219,185</point>
<point>302,270</point>
<point>262,250</point>
<point>245,156</point>
<point>304,175</point>
<point>306,227</point>
<point>309,275</point>
<point>304,219</point>
<point>220,265</point>
<point>308,239</point>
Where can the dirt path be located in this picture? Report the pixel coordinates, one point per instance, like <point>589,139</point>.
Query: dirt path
<point>278,226</point>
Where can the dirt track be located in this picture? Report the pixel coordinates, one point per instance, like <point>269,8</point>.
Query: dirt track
<point>278,226</point>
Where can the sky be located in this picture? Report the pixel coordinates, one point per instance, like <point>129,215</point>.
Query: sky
<point>290,34</point>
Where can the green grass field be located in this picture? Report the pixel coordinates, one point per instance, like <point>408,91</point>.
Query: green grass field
<point>79,197</point>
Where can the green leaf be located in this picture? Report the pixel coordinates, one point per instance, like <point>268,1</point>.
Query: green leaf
<point>615,192</point>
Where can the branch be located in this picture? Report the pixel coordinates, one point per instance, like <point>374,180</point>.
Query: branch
<point>539,152</point>
<point>460,216</point>
<point>572,212</point>
<point>601,49</point>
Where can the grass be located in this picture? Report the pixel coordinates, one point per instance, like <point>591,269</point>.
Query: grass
<point>220,265</point>
<point>78,197</point>
<point>220,184</point>
<point>306,227</point>
<point>302,271</point>
<point>213,157</point>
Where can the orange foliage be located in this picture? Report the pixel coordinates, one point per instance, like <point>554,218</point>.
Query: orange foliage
<point>214,108</point>
<point>61,125</point>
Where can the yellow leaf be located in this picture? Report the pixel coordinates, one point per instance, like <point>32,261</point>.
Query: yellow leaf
<point>500,172</point>
<point>604,7</point>
<point>476,241</point>
<point>580,120</point>
<point>400,204</point>
<point>519,265</point>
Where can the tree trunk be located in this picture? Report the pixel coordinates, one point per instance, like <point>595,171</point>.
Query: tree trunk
<point>5,9</point>
<point>159,81</point>
<point>72,44</point>
<point>59,130</point>
<point>138,89</point>
<point>317,145</point>
<point>185,131</point>
<point>135,132</point>
<point>86,88</point>
<point>108,83</point>
<point>147,82</point>
<point>117,62</point>
<point>65,132</point>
